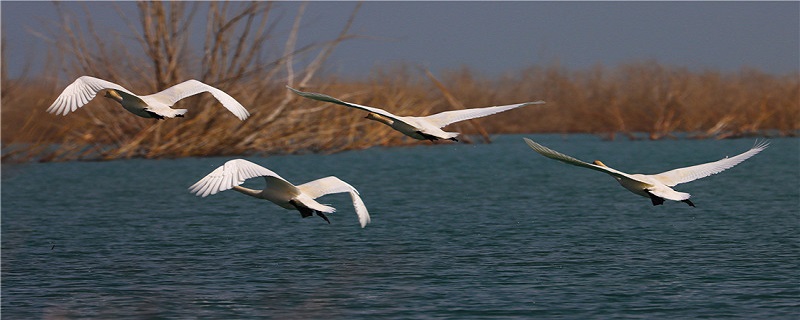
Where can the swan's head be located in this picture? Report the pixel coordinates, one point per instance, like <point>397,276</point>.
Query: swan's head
<point>600,163</point>
<point>113,94</point>
<point>379,118</point>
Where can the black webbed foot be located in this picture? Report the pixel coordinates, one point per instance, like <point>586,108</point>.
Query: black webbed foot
<point>323,216</point>
<point>454,139</point>
<point>689,202</point>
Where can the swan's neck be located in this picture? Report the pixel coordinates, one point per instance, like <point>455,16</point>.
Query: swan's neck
<point>380,118</point>
<point>248,191</point>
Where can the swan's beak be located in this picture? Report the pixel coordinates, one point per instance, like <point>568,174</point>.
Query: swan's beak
<point>379,118</point>
<point>600,163</point>
<point>113,94</point>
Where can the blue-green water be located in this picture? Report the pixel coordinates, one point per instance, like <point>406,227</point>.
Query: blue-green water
<point>458,231</point>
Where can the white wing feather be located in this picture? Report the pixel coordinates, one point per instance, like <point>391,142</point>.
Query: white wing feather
<point>328,185</point>
<point>687,174</point>
<point>444,118</point>
<point>552,154</point>
<point>439,120</point>
<point>232,173</point>
<point>80,92</point>
<point>327,98</point>
<point>192,87</point>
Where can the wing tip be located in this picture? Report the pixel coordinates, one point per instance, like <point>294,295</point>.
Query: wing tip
<point>363,216</point>
<point>761,144</point>
<point>533,102</point>
<point>297,92</point>
<point>534,145</point>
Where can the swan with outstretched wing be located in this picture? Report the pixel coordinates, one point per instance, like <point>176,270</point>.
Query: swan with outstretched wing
<point>279,191</point>
<point>157,105</point>
<point>420,128</point>
<point>657,187</point>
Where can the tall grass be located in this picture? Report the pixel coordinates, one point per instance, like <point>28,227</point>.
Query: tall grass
<point>240,55</point>
<point>656,100</point>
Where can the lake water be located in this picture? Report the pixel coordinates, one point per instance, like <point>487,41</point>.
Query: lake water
<point>458,231</point>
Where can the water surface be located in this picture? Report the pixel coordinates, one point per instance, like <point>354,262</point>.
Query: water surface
<point>457,231</point>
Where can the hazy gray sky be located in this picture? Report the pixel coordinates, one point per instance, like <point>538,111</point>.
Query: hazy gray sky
<point>497,37</point>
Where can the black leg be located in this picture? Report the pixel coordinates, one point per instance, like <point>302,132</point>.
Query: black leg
<point>305,212</point>
<point>655,199</point>
<point>427,136</point>
<point>689,202</point>
<point>154,115</point>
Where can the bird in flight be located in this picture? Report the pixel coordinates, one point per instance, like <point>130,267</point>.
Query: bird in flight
<point>657,187</point>
<point>157,105</point>
<point>420,128</point>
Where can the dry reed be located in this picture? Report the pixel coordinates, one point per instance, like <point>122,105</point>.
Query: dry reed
<point>240,56</point>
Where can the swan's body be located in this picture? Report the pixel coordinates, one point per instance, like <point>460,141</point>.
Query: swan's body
<point>421,128</point>
<point>657,187</point>
<point>157,105</point>
<point>279,191</point>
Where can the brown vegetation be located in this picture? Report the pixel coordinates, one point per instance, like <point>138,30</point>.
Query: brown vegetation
<point>640,98</point>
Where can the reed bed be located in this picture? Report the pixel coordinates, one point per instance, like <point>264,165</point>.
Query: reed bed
<point>640,100</point>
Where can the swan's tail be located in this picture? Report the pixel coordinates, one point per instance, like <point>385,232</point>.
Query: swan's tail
<point>179,112</point>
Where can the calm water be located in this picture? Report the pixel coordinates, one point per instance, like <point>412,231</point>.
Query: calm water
<point>457,231</point>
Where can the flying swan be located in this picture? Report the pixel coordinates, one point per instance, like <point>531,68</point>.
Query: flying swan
<point>156,105</point>
<point>420,128</point>
<point>657,187</point>
<point>279,191</point>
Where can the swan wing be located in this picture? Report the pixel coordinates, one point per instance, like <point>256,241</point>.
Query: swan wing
<point>328,185</point>
<point>687,174</point>
<point>327,98</point>
<point>552,154</point>
<point>232,173</point>
<point>80,92</point>
<point>192,87</point>
<point>444,118</point>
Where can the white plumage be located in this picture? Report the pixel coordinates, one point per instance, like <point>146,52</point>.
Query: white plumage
<point>657,187</point>
<point>279,191</point>
<point>421,128</point>
<point>157,105</point>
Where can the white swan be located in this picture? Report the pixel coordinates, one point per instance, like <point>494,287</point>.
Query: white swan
<point>656,186</point>
<point>156,105</point>
<point>279,191</point>
<point>420,128</point>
